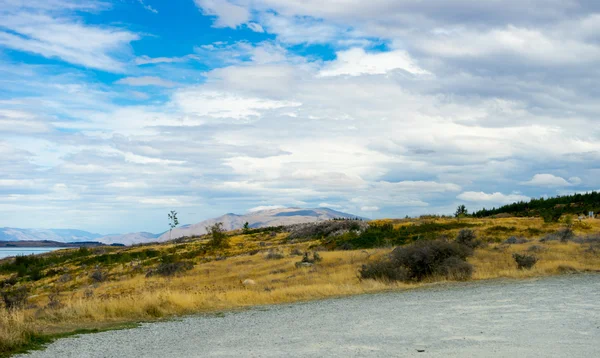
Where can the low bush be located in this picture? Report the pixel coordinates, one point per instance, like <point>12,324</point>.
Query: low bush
<point>563,235</point>
<point>384,270</point>
<point>525,261</point>
<point>332,228</point>
<point>11,281</point>
<point>171,268</point>
<point>467,238</point>
<point>99,276</point>
<point>274,255</point>
<point>421,260</point>
<point>14,297</point>
<point>296,252</point>
<point>536,248</point>
<point>515,240</point>
<point>307,260</point>
<point>455,269</point>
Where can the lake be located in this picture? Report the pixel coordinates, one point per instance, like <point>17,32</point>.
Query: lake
<point>16,251</point>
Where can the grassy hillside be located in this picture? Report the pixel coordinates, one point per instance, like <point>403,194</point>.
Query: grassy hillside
<point>550,209</point>
<point>95,288</point>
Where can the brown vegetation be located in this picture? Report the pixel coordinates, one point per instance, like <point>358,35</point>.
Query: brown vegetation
<point>211,278</point>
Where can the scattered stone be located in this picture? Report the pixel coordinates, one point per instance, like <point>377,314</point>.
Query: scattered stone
<point>248,282</point>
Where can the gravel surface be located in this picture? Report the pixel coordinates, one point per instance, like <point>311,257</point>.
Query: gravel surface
<point>550,317</point>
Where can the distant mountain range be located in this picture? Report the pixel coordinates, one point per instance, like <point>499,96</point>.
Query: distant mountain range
<point>61,235</point>
<point>255,219</point>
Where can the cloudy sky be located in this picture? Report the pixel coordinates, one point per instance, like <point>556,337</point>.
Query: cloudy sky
<point>114,112</point>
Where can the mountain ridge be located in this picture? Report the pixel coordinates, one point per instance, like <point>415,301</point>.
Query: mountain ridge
<point>231,221</point>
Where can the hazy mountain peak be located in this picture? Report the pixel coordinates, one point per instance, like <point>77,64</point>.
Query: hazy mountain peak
<point>269,216</point>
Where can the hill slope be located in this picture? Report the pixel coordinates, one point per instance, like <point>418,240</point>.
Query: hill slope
<point>256,219</point>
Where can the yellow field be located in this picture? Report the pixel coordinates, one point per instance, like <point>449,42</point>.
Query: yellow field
<point>216,284</point>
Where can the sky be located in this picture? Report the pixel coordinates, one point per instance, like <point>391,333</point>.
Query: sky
<point>113,113</point>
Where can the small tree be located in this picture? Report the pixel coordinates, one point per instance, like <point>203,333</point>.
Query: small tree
<point>246,227</point>
<point>218,236</point>
<point>461,211</point>
<point>173,221</point>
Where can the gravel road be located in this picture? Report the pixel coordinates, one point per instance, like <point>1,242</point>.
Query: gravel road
<point>550,317</point>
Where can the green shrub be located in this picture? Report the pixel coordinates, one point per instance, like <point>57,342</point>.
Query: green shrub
<point>218,237</point>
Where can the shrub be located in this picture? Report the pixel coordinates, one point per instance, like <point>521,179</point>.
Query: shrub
<point>525,261</point>
<point>274,255</point>
<point>515,240</point>
<point>14,297</point>
<point>456,269</point>
<point>11,281</point>
<point>296,252</point>
<point>303,232</point>
<point>536,248</point>
<point>99,276</point>
<point>421,260</point>
<point>171,268</point>
<point>565,234</point>
<point>218,237</point>
<point>307,260</point>
<point>467,237</point>
<point>384,270</point>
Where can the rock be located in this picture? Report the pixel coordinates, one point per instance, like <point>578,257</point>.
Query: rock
<point>248,282</point>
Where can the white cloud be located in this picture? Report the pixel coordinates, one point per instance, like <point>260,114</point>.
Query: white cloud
<point>228,14</point>
<point>146,81</point>
<point>148,7</point>
<point>530,44</point>
<point>254,26</point>
<point>369,208</point>
<point>264,207</point>
<point>356,62</point>
<point>328,205</point>
<point>145,60</point>
<point>66,39</point>
<point>549,180</point>
<point>496,198</point>
<point>215,104</point>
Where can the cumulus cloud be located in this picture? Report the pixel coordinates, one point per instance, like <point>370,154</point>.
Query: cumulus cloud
<point>495,198</point>
<point>549,180</point>
<point>407,107</point>
<point>228,14</point>
<point>356,62</point>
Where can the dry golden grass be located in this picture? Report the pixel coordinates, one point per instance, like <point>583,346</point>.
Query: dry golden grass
<point>16,329</point>
<point>215,285</point>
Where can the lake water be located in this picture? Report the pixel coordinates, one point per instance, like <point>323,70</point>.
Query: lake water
<point>16,251</point>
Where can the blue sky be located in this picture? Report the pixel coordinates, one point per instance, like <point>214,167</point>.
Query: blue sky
<point>112,113</point>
